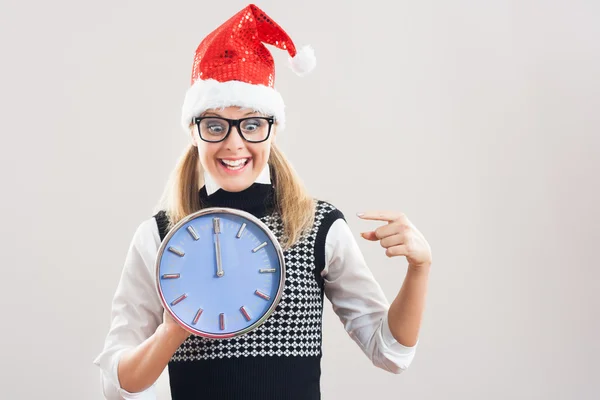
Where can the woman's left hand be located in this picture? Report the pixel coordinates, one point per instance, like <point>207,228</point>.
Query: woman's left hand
<point>399,237</point>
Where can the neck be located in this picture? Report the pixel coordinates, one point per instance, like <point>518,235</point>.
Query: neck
<point>258,199</point>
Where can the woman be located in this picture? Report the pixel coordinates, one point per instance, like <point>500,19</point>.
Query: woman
<point>233,114</point>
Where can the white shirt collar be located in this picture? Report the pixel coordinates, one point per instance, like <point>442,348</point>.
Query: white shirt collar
<point>212,186</point>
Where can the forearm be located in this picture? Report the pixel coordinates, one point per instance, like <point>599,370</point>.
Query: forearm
<point>140,367</point>
<point>406,311</point>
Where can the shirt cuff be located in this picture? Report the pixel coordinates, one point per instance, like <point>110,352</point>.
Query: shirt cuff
<point>391,343</point>
<point>148,394</point>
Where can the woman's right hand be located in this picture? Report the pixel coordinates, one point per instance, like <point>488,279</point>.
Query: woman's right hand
<point>172,327</point>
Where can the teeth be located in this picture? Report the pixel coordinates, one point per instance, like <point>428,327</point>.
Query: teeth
<point>235,164</point>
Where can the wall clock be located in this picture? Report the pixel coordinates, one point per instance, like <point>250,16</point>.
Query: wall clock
<point>220,272</point>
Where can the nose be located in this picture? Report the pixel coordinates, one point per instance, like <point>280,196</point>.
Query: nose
<point>234,141</point>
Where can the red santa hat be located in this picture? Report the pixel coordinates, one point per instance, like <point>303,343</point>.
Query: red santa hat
<point>232,67</point>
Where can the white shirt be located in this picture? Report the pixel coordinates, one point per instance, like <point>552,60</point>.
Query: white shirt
<point>355,295</point>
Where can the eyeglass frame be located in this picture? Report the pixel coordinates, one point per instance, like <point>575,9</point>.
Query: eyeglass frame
<point>231,123</point>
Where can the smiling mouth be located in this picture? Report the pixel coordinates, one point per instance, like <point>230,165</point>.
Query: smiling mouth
<point>234,165</point>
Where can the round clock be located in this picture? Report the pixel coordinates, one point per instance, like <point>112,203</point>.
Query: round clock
<point>220,272</point>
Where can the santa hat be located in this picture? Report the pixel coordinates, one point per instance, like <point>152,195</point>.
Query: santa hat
<point>232,67</point>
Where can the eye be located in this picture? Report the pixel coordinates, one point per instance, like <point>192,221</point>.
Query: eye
<point>251,125</point>
<point>216,128</point>
<point>213,126</point>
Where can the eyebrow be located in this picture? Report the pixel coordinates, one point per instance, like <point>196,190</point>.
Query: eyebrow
<point>209,113</point>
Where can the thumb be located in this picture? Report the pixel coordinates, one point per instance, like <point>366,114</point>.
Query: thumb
<point>369,235</point>
<point>166,316</point>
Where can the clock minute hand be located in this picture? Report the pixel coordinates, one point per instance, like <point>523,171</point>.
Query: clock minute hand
<point>217,229</point>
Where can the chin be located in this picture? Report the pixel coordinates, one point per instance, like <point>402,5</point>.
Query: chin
<point>235,179</point>
<point>235,183</point>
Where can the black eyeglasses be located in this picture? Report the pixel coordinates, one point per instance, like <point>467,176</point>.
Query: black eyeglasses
<point>251,129</point>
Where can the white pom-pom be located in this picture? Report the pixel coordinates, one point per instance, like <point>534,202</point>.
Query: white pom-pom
<point>304,61</point>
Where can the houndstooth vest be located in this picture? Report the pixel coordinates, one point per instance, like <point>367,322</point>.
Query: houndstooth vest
<point>280,359</point>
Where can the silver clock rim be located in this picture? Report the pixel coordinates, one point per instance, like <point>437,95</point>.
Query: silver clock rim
<point>265,229</point>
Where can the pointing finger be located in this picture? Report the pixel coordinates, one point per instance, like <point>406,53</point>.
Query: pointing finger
<point>381,215</point>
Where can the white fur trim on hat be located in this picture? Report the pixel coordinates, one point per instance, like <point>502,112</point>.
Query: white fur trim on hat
<point>208,94</point>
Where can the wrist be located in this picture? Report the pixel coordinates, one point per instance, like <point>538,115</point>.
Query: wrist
<point>421,269</point>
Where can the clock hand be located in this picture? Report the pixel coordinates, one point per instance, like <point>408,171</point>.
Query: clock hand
<point>217,228</point>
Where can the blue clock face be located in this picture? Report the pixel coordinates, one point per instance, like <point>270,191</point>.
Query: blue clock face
<point>220,272</point>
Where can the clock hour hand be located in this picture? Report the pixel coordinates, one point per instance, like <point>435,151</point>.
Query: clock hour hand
<point>217,229</point>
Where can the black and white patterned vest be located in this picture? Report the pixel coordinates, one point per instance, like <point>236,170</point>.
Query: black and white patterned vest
<point>281,359</point>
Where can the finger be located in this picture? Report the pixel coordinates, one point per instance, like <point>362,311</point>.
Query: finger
<point>370,235</point>
<point>381,215</point>
<point>392,241</point>
<point>391,229</point>
<point>167,317</point>
<point>400,250</point>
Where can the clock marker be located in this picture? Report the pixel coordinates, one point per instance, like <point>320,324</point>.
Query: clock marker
<point>266,271</point>
<point>193,232</point>
<point>239,234</point>
<point>170,276</point>
<point>262,295</point>
<point>217,225</point>
<point>176,251</point>
<point>177,300</point>
<point>222,321</point>
<point>197,317</point>
<point>246,315</point>
<point>257,248</point>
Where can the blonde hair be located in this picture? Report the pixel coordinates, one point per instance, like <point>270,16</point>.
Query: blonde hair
<point>296,208</point>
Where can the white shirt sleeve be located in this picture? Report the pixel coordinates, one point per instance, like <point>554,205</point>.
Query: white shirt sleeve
<point>359,301</point>
<point>136,311</point>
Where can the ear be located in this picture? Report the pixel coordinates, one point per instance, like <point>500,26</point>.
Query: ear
<point>193,135</point>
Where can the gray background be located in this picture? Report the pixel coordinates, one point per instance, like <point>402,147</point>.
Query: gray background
<point>479,120</point>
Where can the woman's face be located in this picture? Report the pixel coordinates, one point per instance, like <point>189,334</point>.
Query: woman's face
<point>233,163</point>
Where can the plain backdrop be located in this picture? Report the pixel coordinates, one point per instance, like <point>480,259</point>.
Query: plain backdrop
<point>479,120</point>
